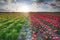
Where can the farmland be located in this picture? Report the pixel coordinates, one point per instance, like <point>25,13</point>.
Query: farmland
<point>11,24</point>
<point>29,26</point>
<point>45,26</point>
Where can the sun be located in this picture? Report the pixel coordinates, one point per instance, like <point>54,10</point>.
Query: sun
<point>23,8</point>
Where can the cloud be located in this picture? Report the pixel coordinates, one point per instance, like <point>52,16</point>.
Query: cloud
<point>3,10</point>
<point>41,7</point>
<point>51,3</point>
<point>2,1</point>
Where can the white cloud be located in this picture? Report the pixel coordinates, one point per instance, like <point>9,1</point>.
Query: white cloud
<point>34,8</point>
<point>2,1</point>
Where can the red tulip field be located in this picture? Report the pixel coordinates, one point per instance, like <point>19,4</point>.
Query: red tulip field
<point>37,26</point>
<point>45,26</point>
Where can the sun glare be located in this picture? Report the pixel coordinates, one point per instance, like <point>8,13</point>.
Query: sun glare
<point>23,8</point>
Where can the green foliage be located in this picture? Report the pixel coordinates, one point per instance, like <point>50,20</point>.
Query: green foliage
<point>10,26</point>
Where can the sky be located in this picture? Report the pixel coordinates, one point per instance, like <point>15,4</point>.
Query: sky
<point>29,5</point>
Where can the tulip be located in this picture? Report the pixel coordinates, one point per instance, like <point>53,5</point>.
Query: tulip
<point>46,37</point>
<point>33,38</point>
<point>57,38</point>
<point>44,32</point>
<point>35,28</point>
<point>53,38</point>
<point>49,29</point>
<point>54,30</point>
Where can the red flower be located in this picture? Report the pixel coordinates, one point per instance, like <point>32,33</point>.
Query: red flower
<point>33,38</point>
<point>55,38</point>
<point>46,37</point>
<point>54,30</point>
<point>44,32</point>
